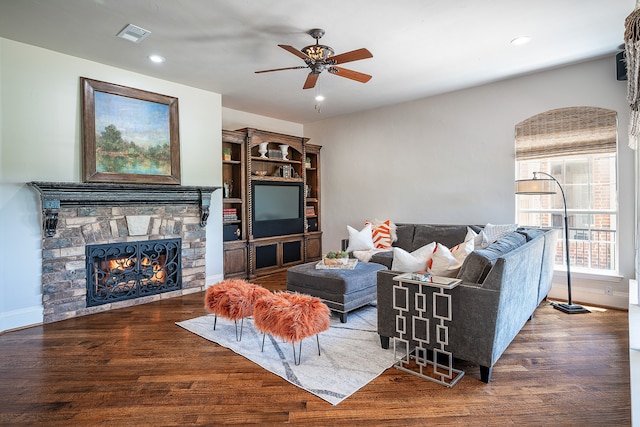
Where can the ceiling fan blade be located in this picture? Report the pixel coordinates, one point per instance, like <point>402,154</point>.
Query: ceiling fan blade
<point>350,74</point>
<point>311,81</point>
<point>293,50</point>
<point>281,69</point>
<point>354,55</point>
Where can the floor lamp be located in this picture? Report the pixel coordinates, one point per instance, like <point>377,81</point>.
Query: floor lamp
<point>547,186</point>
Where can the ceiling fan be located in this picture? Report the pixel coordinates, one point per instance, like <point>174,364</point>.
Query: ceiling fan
<point>319,57</point>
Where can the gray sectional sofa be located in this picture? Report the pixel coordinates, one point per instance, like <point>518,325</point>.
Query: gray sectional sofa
<point>501,287</point>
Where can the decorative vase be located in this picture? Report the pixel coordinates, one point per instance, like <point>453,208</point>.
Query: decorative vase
<point>263,149</point>
<point>284,148</point>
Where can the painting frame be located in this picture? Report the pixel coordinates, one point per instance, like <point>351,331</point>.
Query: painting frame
<point>90,170</point>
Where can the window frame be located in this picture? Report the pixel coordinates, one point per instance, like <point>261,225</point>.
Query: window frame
<point>553,208</point>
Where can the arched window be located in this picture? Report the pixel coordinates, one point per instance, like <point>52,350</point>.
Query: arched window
<point>577,145</point>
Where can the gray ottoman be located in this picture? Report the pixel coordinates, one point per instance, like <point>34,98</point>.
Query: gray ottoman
<point>342,290</point>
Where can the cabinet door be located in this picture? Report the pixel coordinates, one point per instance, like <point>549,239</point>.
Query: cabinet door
<point>292,252</point>
<point>313,247</point>
<point>235,260</point>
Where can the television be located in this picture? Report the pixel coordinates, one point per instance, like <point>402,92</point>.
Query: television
<point>277,208</point>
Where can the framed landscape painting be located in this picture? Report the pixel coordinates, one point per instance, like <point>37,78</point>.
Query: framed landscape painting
<point>129,135</point>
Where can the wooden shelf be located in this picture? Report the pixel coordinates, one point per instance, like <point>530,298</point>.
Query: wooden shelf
<point>233,170</point>
<point>275,178</point>
<point>232,200</point>
<point>270,160</point>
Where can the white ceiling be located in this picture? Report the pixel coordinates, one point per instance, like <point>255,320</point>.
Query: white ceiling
<point>420,47</point>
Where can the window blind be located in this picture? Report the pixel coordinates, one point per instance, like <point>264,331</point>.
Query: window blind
<point>566,132</point>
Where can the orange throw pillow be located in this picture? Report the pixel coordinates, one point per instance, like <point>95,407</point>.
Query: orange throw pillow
<point>382,233</point>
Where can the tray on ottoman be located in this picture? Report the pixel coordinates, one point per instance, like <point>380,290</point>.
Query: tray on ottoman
<point>342,290</point>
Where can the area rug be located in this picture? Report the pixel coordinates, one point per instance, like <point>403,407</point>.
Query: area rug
<point>351,355</point>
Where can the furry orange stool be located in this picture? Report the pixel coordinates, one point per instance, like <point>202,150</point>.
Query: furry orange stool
<point>233,299</point>
<point>291,317</point>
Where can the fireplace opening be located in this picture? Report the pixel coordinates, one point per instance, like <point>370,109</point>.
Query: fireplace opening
<point>121,271</point>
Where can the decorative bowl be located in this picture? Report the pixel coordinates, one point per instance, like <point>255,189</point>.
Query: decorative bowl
<point>260,173</point>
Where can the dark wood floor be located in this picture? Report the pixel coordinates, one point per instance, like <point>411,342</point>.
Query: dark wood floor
<point>134,366</point>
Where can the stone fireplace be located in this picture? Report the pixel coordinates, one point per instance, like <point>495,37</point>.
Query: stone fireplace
<point>147,242</point>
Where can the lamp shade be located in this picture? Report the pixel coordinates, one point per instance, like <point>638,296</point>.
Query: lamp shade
<point>536,186</point>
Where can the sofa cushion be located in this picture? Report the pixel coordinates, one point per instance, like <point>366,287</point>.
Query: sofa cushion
<point>530,233</point>
<point>404,233</point>
<point>478,264</point>
<point>507,243</point>
<point>384,258</point>
<point>448,235</point>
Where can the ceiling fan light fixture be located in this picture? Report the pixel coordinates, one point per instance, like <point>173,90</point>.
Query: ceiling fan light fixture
<point>319,57</point>
<point>319,98</point>
<point>318,52</point>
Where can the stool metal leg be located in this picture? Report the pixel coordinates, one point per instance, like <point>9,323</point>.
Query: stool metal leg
<point>241,325</point>
<point>318,341</point>
<point>263,335</point>
<point>297,361</point>
<point>215,320</point>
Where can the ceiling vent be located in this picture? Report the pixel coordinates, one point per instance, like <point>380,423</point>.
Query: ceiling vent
<point>133,33</point>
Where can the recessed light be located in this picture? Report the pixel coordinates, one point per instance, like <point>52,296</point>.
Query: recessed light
<point>157,58</point>
<point>319,98</point>
<point>520,40</point>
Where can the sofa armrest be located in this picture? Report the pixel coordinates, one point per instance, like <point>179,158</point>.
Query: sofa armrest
<point>386,313</point>
<point>474,316</point>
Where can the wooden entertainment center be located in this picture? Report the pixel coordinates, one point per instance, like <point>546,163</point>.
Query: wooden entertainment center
<point>271,202</point>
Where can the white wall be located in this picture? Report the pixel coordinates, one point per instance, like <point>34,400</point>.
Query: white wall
<point>40,140</point>
<point>450,159</point>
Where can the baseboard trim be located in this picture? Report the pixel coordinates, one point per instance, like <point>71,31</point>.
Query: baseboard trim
<point>20,319</point>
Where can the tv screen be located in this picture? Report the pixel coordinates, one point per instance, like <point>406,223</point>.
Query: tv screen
<point>277,209</point>
<point>276,202</point>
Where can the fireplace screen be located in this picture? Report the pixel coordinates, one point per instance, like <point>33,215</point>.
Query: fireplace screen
<point>120,271</point>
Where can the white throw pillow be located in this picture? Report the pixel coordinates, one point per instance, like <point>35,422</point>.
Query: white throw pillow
<point>417,260</point>
<point>470,234</point>
<point>493,232</point>
<point>443,263</point>
<point>360,240</point>
<point>480,241</point>
<point>461,251</point>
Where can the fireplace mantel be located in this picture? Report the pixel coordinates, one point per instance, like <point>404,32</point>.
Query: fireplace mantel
<point>56,195</point>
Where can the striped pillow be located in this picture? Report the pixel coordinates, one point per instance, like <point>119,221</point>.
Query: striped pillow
<point>383,233</point>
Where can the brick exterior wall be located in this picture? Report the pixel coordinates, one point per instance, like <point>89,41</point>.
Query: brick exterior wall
<point>64,286</point>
